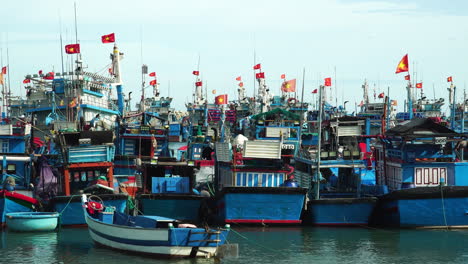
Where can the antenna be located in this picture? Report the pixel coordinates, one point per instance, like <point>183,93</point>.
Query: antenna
<point>76,25</point>
<point>336,90</point>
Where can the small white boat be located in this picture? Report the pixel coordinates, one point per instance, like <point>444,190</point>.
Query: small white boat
<point>32,221</point>
<point>153,235</point>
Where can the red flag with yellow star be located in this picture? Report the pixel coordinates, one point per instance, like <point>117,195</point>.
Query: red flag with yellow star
<point>72,48</point>
<point>110,38</point>
<point>403,65</point>
<point>289,86</point>
<point>221,99</point>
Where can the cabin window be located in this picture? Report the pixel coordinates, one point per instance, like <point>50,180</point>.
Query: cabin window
<point>5,146</point>
<point>427,176</point>
<point>11,168</point>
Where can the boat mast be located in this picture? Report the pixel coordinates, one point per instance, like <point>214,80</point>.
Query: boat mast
<point>319,146</point>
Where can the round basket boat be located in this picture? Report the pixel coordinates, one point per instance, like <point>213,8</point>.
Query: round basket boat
<point>32,221</point>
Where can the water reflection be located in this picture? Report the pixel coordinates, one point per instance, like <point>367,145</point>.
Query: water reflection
<point>258,245</point>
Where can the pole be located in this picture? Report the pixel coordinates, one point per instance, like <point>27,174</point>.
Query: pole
<point>319,145</point>
<point>302,102</point>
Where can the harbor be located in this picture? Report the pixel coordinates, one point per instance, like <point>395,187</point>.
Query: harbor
<point>201,145</point>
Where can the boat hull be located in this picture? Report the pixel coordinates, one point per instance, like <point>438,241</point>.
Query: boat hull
<point>13,202</point>
<point>71,211</point>
<point>261,205</point>
<point>184,207</point>
<point>340,211</point>
<point>424,207</point>
<point>32,221</point>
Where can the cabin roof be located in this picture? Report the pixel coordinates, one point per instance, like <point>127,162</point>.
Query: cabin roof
<point>421,127</point>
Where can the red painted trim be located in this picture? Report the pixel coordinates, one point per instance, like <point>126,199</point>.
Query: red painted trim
<point>257,221</point>
<point>205,163</point>
<point>90,165</point>
<point>19,196</point>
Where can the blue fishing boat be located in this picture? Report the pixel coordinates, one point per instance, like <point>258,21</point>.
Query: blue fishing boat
<point>333,168</point>
<point>32,221</point>
<point>16,167</point>
<point>169,189</point>
<point>420,162</point>
<point>87,168</point>
<point>253,181</point>
<point>149,235</point>
<point>12,202</point>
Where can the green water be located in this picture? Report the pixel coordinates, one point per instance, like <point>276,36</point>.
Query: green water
<point>258,245</point>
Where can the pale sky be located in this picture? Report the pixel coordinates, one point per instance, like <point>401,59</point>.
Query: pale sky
<point>361,39</point>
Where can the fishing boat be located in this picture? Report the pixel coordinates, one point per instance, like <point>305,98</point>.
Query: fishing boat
<point>254,182</point>
<point>32,221</point>
<point>13,202</point>
<point>333,168</point>
<point>152,235</point>
<point>86,168</point>
<point>421,164</point>
<point>169,189</point>
<point>16,167</point>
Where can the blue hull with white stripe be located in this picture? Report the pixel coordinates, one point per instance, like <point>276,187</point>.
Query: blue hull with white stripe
<point>153,235</point>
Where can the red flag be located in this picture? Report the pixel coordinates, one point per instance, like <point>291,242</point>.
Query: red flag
<point>198,84</point>
<point>152,82</point>
<point>108,38</point>
<point>449,79</point>
<point>221,99</point>
<point>419,85</point>
<point>152,74</point>
<point>289,86</point>
<point>72,48</point>
<point>239,78</point>
<point>283,76</point>
<point>257,67</point>
<point>49,76</point>
<point>196,73</point>
<point>408,77</point>
<point>4,70</point>
<point>328,81</point>
<point>381,95</point>
<point>26,81</point>
<point>314,91</point>
<point>260,75</point>
<point>402,65</point>
<point>40,72</point>
<point>241,84</point>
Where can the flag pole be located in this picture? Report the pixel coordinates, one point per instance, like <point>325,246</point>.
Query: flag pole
<point>302,101</point>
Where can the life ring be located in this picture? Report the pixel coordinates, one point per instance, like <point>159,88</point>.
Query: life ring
<point>292,101</point>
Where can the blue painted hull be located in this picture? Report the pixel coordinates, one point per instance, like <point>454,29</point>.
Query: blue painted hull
<point>181,207</point>
<point>10,206</point>
<point>424,208</point>
<point>252,205</point>
<point>340,211</point>
<point>71,211</point>
<point>32,221</point>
